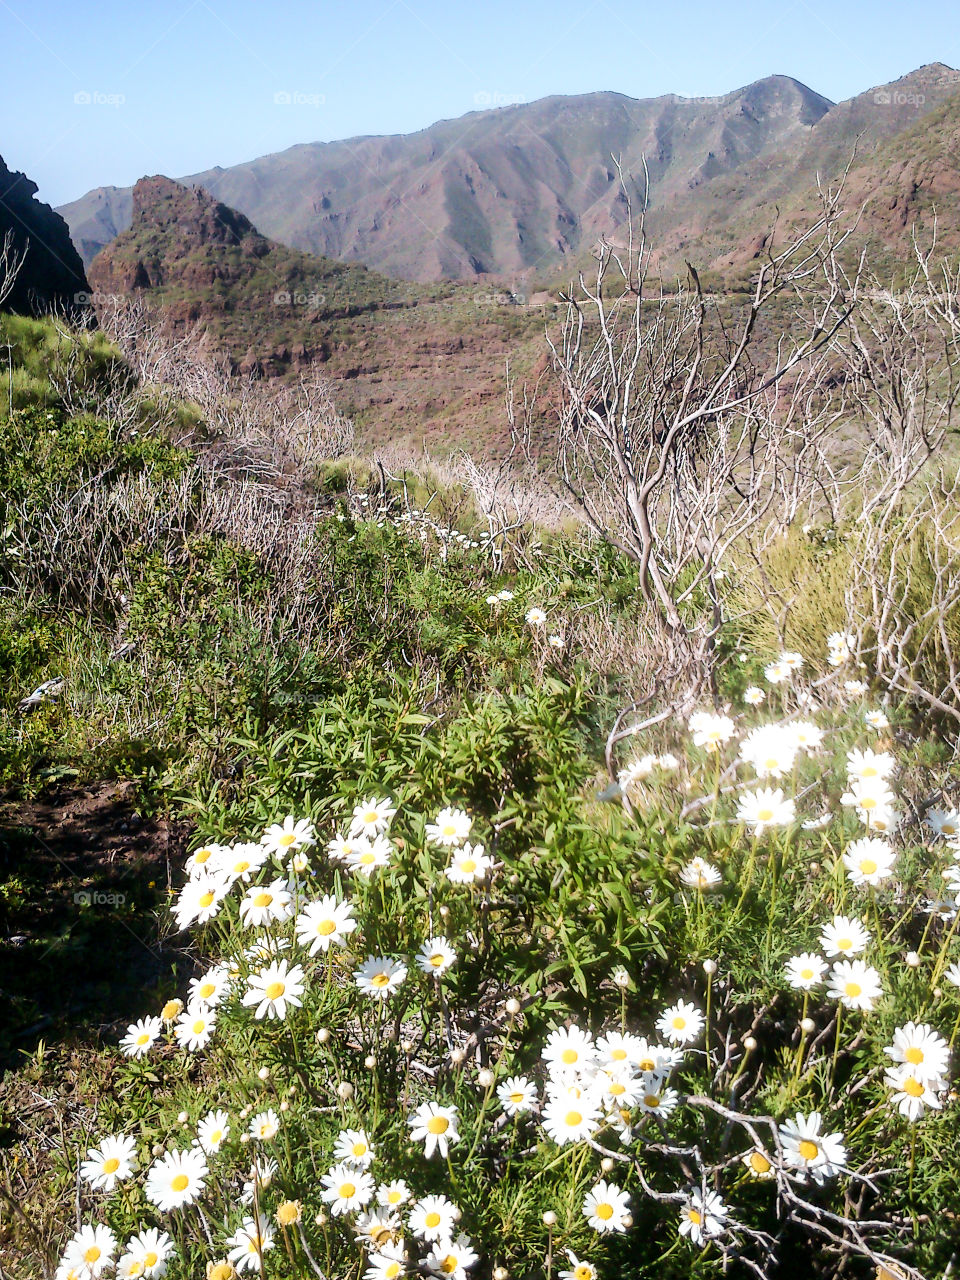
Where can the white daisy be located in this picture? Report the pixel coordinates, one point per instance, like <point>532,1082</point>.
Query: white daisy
<point>681,1023</point>
<point>212,1131</point>
<point>844,936</point>
<point>367,855</point>
<point>195,1027</point>
<point>606,1207</point>
<point>919,1047</point>
<point>346,1188</point>
<point>451,827</point>
<point>433,1218</point>
<point>325,923</point>
<point>435,1126</point>
<point>91,1250</point>
<point>146,1255</point>
<point>273,988</point>
<point>855,984</point>
<point>113,1161</point>
<point>353,1147</point>
<point>176,1179</point>
<point>264,1126</point>
<point>284,838</point>
<point>765,808</point>
<point>372,817</point>
<point>805,971</point>
<point>516,1095</point>
<point>702,1216</point>
<point>451,1258</point>
<point>264,903</point>
<point>141,1037</point>
<point>468,865</point>
<point>436,956</point>
<point>807,1150</point>
<point>210,988</point>
<point>869,861</point>
<point>380,976</point>
<point>250,1242</point>
<point>913,1091</point>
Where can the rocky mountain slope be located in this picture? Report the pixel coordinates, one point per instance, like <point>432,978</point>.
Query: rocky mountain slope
<point>502,191</point>
<point>52,275</point>
<point>405,361</point>
<point>522,192</point>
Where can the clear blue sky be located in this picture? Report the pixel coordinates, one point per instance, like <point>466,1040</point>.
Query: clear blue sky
<point>182,85</point>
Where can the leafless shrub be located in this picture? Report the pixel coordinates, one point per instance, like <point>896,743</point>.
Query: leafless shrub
<point>11,262</point>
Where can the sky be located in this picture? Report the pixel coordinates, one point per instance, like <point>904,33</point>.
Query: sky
<point>103,93</point>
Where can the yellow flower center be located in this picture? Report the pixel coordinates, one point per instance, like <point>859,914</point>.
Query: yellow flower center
<point>380,980</point>
<point>679,1022</point>
<point>583,1271</point>
<point>469,866</point>
<point>868,802</point>
<point>569,1056</point>
<point>92,1254</point>
<point>111,1165</point>
<point>806,974</point>
<point>359,1149</point>
<point>764,815</point>
<point>392,1270</point>
<point>366,858</point>
<point>516,1097</point>
<point>143,1038</point>
<point>274,990</point>
<point>288,1212</point>
<point>394,1197</point>
<point>759,1162</point>
<point>604,1212</point>
<point>432,1220</point>
<point>438,1124</point>
<point>869,771</point>
<point>216,1137</point>
<point>616,1089</point>
<point>449,829</point>
<point>694,1217</point>
<point>326,927</point>
<point>844,944</point>
<point>180,1182</point>
<point>199,1026</point>
<point>868,867</point>
<point>206,990</point>
<point>371,817</point>
<point>262,899</point>
<point>202,856</point>
<point>205,899</point>
<point>648,1064</point>
<point>914,1055</point>
<point>137,1267</point>
<point>808,1150</point>
<point>573,1118</point>
<point>618,1055</point>
<point>241,866</point>
<point>913,1087</point>
<point>437,960</point>
<point>170,1010</point>
<point>347,1190</point>
<point>852,989</point>
<point>449,1265</point>
<point>652,1100</point>
<point>151,1259</point>
<point>286,840</point>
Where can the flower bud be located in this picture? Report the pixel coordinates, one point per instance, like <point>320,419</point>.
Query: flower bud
<point>606,1164</point>
<point>406,1045</point>
<point>369,1062</point>
<point>182,1118</point>
<point>500,1273</point>
<point>157,1149</point>
<point>457,1056</point>
<point>749,1043</point>
<point>807,1025</point>
<point>321,1219</point>
<point>709,967</point>
<point>485,1078</point>
<point>512,1006</point>
<point>912,959</point>
<point>549,1218</point>
<point>323,1035</point>
<point>263,1073</point>
<point>344,1090</point>
<point>284,1105</point>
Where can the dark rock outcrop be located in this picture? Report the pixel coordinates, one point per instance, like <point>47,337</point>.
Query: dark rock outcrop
<point>52,277</point>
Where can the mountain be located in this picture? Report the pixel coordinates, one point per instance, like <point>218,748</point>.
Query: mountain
<point>878,138</point>
<point>404,360</point>
<point>52,276</point>
<point>502,191</point>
